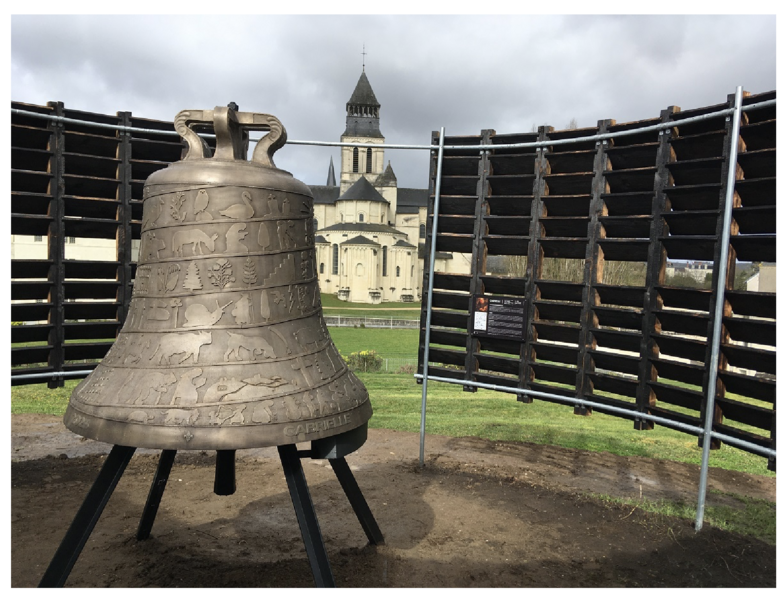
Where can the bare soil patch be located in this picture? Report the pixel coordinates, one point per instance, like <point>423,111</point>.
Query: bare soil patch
<point>480,514</point>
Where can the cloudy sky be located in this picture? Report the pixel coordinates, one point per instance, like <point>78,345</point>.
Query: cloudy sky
<point>465,73</point>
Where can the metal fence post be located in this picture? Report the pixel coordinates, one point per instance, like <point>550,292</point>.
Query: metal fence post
<point>719,300</point>
<point>426,351</point>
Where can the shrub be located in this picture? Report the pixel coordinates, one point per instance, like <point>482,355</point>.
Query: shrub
<point>364,361</point>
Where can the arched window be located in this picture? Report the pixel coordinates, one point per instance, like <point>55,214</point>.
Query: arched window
<point>422,231</point>
<point>368,160</point>
<point>384,260</point>
<point>322,268</point>
<point>335,259</point>
<point>355,160</point>
<point>397,271</point>
<point>361,217</point>
<point>315,224</point>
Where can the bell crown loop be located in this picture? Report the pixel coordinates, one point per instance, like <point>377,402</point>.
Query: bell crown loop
<point>232,131</point>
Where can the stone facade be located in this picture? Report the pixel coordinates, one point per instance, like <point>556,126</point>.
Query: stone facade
<point>370,233</point>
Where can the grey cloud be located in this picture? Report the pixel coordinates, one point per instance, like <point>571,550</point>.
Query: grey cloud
<point>466,73</point>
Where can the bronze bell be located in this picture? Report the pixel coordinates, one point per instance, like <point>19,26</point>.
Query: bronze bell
<point>224,345</point>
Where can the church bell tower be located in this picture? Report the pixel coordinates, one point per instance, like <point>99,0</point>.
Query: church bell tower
<point>362,127</point>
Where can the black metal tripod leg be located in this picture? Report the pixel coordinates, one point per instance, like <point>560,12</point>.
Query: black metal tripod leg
<point>358,502</point>
<point>155,494</point>
<point>307,519</point>
<point>87,516</point>
<point>225,475</point>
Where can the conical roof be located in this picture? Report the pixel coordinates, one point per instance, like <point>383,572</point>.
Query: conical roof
<point>362,190</point>
<point>387,179</point>
<point>331,174</point>
<point>363,93</point>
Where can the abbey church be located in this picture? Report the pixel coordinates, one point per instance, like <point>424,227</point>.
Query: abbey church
<point>370,233</point>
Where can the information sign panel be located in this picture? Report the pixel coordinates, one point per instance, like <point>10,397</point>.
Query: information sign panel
<point>499,317</point>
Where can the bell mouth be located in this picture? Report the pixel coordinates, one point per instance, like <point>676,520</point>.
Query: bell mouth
<point>244,436</point>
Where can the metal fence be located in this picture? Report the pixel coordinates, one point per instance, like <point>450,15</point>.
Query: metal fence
<point>371,323</point>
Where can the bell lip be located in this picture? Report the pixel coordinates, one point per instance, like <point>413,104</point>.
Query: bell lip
<point>250,436</point>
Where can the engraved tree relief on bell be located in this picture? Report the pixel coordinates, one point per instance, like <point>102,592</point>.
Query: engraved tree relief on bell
<point>224,345</point>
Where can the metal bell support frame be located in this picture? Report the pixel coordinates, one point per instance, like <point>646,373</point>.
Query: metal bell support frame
<point>224,346</point>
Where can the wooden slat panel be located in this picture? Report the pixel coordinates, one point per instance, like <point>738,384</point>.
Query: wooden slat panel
<point>29,312</point>
<point>510,205</point>
<point>619,295</point>
<point>749,386</point>
<point>615,362</point>
<point>90,310</point>
<point>626,226</point>
<point>451,301</point>
<point>508,225</point>
<point>30,355</point>
<point>457,204</point>
<point>564,248</point>
<point>456,224</point>
<point>614,384</point>
<point>557,332</point>
<point>448,242</point>
<point>629,204</point>
<point>753,303</point>
<point>569,184</point>
<point>555,311</point>
<point>757,192</point>
<point>621,340</point>
<point>615,317</point>
<point>693,222</point>
<point>503,285</point>
<point>762,332</point>
<point>505,245</point>
<point>567,205</point>
<point>511,185</point>
<point>560,290</point>
<point>688,299</point>
<point>680,322</point>
<point>554,374</point>
<point>759,163</point>
<point>755,248</point>
<point>756,220</point>
<point>571,162</point>
<point>746,414</point>
<point>91,330</point>
<point>513,164</point>
<point>452,282</point>
<point>453,338</point>
<point>459,165</point>
<point>678,396</point>
<point>498,364</point>
<point>446,356</point>
<point>30,333</point>
<point>750,358</point>
<point>86,351</point>
<point>681,348</point>
<point>691,374</point>
<point>625,181</point>
<point>624,250</point>
<point>455,320</point>
<point>555,353</point>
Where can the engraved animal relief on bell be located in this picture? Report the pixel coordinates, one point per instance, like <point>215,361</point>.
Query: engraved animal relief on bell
<point>224,346</point>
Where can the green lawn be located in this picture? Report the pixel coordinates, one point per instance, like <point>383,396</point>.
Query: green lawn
<point>386,342</point>
<point>332,306</point>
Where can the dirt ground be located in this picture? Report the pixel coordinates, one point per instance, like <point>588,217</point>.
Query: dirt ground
<point>479,514</point>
